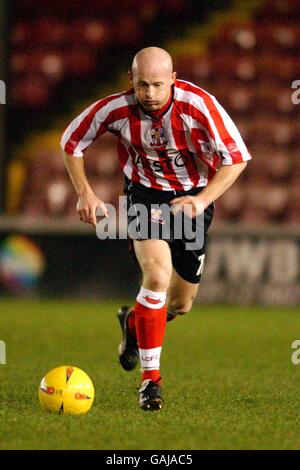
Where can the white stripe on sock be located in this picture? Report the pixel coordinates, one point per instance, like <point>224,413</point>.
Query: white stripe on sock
<point>151,299</point>
<point>150,358</point>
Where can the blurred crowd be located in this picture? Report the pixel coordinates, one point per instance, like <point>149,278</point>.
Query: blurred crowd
<point>249,65</point>
<point>55,46</point>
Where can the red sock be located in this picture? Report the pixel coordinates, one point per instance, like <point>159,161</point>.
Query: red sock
<point>150,321</point>
<point>152,375</point>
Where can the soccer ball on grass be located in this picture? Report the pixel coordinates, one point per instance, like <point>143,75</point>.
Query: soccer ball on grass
<point>66,390</point>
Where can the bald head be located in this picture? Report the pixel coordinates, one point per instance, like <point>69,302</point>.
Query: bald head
<point>152,77</point>
<point>152,61</point>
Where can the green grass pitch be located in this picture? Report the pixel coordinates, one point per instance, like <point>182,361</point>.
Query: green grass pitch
<point>229,382</point>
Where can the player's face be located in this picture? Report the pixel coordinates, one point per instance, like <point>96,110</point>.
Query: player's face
<point>153,91</point>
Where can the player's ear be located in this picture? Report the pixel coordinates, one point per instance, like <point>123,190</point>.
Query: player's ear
<point>130,76</point>
<point>174,75</point>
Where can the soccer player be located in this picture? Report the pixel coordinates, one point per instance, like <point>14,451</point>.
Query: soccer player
<point>177,146</point>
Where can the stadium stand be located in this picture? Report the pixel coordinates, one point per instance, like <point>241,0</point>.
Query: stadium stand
<point>249,65</point>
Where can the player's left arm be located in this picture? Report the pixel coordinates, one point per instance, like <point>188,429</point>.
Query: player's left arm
<point>222,180</point>
<point>226,141</point>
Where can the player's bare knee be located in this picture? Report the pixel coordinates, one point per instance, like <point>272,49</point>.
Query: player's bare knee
<point>156,278</point>
<point>157,282</point>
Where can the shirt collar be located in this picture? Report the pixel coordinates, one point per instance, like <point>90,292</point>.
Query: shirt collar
<point>158,114</point>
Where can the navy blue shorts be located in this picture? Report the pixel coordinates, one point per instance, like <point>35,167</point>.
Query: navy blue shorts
<point>188,254</point>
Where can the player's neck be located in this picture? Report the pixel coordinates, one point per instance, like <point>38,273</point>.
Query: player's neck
<point>157,114</point>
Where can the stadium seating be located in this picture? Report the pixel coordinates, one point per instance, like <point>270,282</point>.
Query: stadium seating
<point>249,66</point>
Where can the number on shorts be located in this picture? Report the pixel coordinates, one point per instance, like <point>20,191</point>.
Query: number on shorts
<point>201,265</point>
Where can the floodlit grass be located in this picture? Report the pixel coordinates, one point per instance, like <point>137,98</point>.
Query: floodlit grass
<point>228,379</point>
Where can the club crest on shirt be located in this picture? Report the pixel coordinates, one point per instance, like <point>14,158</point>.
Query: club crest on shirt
<point>158,138</point>
<point>156,216</point>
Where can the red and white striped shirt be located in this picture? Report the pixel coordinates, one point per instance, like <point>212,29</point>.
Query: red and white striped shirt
<point>180,150</point>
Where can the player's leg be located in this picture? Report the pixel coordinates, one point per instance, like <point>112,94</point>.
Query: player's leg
<point>155,261</point>
<point>180,296</point>
<point>149,315</point>
<point>188,264</point>
<point>153,257</point>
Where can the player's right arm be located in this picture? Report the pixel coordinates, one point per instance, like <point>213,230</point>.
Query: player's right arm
<point>75,140</point>
<point>87,202</point>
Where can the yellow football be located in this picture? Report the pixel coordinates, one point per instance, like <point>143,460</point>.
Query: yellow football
<point>66,390</point>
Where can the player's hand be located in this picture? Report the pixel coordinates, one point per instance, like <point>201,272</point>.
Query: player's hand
<point>86,207</point>
<point>189,205</point>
